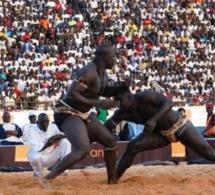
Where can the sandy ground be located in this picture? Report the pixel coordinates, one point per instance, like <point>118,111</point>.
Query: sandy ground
<point>139,179</point>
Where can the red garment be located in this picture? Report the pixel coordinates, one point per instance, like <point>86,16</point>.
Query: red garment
<point>120,38</point>
<point>205,97</point>
<point>209,105</point>
<point>45,84</point>
<point>150,46</point>
<point>147,22</point>
<point>59,75</point>
<point>179,57</point>
<point>70,11</point>
<point>8,22</point>
<point>26,37</point>
<point>17,92</point>
<point>52,32</point>
<point>61,60</point>
<point>100,39</point>
<point>79,24</point>
<point>196,101</point>
<point>136,39</point>
<point>169,95</point>
<point>58,7</point>
<point>138,50</point>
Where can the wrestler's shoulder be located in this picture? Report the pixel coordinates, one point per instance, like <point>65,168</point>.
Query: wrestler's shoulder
<point>88,71</point>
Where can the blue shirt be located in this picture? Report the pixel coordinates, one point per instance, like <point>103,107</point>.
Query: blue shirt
<point>135,129</point>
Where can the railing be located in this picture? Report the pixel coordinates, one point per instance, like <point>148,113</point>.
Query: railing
<point>48,105</point>
<point>27,105</point>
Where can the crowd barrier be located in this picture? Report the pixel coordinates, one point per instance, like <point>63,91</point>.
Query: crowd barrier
<point>197,114</point>
<point>15,156</point>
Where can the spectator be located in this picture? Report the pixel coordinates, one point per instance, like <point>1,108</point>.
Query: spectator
<point>9,102</point>
<point>41,134</point>
<point>33,120</point>
<point>209,131</point>
<point>101,114</point>
<point>10,133</point>
<point>41,100</point>
<point>182,111</point>
<point>123,134</point>
<point>134,129</point>
<point>171,42</point>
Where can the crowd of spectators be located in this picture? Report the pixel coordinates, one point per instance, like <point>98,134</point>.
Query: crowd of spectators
<point>163,45</point>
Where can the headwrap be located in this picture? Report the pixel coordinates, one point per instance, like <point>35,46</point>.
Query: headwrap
<point>210,105</point>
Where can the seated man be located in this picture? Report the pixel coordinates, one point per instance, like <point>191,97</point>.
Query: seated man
<point>32,121</point>
<point>163,125</point>
<point>209,130</point>
<point>48,145</point>
<point>10,133</point>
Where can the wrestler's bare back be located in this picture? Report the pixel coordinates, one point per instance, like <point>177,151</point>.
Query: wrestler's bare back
<point>147,106</point>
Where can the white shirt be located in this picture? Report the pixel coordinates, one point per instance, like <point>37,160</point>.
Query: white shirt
<point>25,129</point>
<point>9,101</point>
<point>37,138</point>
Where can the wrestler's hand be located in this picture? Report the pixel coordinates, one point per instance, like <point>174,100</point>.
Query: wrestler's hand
<point>149,126</point>
<point>108,103</point>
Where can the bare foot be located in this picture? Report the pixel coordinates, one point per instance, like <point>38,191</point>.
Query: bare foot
<point>45,183</point>
<point>64,174</point>
<point>112,181</point>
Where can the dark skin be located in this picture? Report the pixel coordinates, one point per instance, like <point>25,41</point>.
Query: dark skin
<point>43,123</point>
<point>33,119</point>
<point>83,94</point>
<point>154,110</point>
<point>6,119</point>
<point>210,113</point>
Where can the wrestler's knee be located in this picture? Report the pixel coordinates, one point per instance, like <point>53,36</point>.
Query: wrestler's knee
<point>131,148</point>
<point>208,153</point>
<point>111,142</point>
<point>81,153</point>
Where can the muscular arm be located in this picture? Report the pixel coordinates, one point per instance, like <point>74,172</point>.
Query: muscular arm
<point>78,87</point>
<point>86,88</point>
<point>115,90</point>
<point>115,119</point>
<point>75,94</point>
<point>157,101</point>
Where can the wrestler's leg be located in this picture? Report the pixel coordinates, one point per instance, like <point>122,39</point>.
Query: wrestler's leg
<point>194,140</point>
<point>75,130</point>
<point>137,145</point>
<point>99,133</point>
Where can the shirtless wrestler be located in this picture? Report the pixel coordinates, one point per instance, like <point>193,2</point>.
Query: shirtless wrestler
<point>72,118</point>
<point>162,126</point>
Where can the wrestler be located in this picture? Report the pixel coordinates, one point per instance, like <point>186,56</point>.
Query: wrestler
<point>162,126</point>
<point>72,118</point>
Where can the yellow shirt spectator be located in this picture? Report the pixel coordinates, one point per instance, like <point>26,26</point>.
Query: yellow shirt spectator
<point>133,28</point>
<point>47,62</point>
